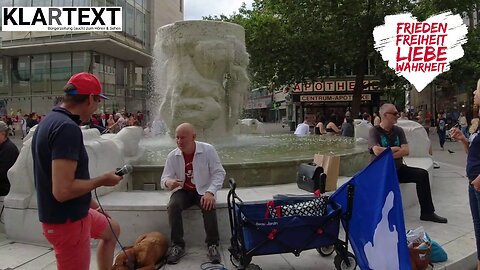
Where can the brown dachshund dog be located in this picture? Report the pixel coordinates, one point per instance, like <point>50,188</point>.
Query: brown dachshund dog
<point>149,248</point>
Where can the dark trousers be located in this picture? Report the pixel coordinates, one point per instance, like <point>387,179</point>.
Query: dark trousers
<point>181,200</point>
<point>418,176</point>
<point>474,199</point>
<point>441,137</point>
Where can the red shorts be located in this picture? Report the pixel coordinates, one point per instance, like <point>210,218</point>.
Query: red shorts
<point>71,241</point>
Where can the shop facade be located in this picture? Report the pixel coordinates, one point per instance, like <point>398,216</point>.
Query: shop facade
<point>322,99</point>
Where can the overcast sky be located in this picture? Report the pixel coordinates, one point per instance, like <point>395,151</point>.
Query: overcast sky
<point>196,9</point>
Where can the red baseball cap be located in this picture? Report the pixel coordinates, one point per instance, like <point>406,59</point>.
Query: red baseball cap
<point>85,84</point>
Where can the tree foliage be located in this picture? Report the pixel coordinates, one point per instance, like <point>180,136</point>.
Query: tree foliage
<point>302,40</point>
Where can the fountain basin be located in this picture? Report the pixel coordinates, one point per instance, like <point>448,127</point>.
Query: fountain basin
<point>256,160</point>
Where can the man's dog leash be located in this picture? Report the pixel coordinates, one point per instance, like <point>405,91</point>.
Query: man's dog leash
<point>120,172</point>
<point>130,262</point>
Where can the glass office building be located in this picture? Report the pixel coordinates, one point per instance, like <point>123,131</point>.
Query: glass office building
<point>34,66</point>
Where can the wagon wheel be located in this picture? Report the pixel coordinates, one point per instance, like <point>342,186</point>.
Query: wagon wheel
<point>348,263</point>
<point>326,250</point>
<point>238,259</point>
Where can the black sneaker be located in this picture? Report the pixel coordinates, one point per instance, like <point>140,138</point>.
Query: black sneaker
<point>433,218</point>
<point>176,253</point>
<point>213,254</point>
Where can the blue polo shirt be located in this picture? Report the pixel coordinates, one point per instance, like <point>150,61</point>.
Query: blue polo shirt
<point>58,136</point>
<point>473,157</point>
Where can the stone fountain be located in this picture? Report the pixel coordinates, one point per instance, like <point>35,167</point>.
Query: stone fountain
<point>201,78</point>
<point>200,75</point>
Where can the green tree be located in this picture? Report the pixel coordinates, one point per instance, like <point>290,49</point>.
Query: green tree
<point>297,41</point>
<point>285,41</point>
<point>355,29</point>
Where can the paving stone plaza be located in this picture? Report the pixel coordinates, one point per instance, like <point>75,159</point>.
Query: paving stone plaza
<point>449,194</point>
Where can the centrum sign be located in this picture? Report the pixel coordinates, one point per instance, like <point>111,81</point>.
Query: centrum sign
<point>61,19</point>
<point>326,98</point>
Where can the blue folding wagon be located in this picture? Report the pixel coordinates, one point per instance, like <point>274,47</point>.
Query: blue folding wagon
<point>256,233</point>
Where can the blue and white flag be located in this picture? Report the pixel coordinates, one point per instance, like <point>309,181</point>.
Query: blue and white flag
<point>377,227</point>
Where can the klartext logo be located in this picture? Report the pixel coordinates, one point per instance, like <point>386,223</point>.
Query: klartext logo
<point>62,19</point>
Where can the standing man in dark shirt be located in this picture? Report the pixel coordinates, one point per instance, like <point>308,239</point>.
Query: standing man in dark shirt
<point>386,134</point>
<point>32,120</point>
<point>66,210</point>
<point>8,156</point>
<point>472,147</point>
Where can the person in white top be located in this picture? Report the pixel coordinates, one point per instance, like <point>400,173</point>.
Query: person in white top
<point>194,174</point>
<point>302,128</point>
<point>158,127</point>
<point>120,120</point>
<point>23,123</point>
<point>366,119</point>
<point>403,116</point>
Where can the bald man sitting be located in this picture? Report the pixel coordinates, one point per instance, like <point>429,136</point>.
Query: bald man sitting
<point>194,174</point>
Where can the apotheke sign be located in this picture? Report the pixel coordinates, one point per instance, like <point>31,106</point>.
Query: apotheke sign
<point>61,19</point>
<point>331,86</point>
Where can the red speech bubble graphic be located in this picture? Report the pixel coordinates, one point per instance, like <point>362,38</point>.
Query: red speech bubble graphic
<point>420,51</point>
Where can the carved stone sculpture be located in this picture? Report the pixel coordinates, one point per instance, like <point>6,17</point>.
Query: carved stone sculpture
<point>200,75</point>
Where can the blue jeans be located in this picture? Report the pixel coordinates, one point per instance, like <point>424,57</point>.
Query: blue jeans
<point>465,131</point>
<point>474,198</point>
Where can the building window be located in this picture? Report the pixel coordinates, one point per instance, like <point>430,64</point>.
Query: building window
<point>109,77</point>
<point>80,62</point>
<point>81,3</point>
<point>43,3</point>
<point>98,3</point>
<point>62,3</point>
<point>22,3</point>
<point>139,25</point>
<point>98,62</point>
<point>121,3</point>
<point>41,74</point>
<point>21,75</point>
<point>120,78</point>
<point>130,20</point>
<point>4,89</point>
<point>61,71</point>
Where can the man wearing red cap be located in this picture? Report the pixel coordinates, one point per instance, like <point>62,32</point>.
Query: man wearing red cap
<point>66,210</point>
